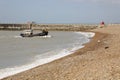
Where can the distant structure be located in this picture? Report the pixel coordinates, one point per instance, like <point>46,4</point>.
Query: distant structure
<point>53,27</point>
<point>30,24</point>
<point>102,24</point>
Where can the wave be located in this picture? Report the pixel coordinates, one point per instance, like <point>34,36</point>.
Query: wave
<point>44,58</point>
<point>39,60</point>
<point>87,34</point>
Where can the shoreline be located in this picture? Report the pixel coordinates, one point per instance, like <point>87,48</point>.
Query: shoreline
<point>70,54</point>
<point>34,64</point>
<point>77,52</point>
<point>79,65</point>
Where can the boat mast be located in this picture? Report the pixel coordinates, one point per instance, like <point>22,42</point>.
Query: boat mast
<point>29,25</point>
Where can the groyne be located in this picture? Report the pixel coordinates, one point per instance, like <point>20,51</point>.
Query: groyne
<point>61,27</point>
<point>65,27</point>
<point>13,26</point>
<point>52,27</point>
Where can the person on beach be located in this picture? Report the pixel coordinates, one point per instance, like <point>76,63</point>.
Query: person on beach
<point>44,32</point>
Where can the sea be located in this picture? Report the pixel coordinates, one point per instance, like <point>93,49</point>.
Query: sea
<point>18,54</point>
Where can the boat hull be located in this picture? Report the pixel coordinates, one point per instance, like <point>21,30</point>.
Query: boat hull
<point>32,35</point>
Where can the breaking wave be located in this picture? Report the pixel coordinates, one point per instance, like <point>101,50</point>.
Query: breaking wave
<point>44,58</point>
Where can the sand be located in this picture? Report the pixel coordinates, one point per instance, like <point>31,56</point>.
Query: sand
<point>98,60</point>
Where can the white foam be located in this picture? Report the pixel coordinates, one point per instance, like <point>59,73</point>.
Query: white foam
<point>17,36</point>
<point>3,37</point>
<point>39,60</point>
<point>11,71</point>
<point>87,34</point>
<point>48,36</point>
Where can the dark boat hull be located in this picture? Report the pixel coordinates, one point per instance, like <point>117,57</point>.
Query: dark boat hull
<point>32,35</point>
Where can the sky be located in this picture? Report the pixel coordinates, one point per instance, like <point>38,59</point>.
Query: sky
<point>60,11</point>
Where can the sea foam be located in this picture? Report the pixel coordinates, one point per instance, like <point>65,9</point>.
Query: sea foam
<point>87,34</point>
<point>40,60</point>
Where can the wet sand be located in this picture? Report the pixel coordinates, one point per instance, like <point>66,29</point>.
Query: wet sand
<point>98,60</point>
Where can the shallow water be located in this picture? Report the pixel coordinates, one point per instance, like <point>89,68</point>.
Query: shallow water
<point>16,51</point>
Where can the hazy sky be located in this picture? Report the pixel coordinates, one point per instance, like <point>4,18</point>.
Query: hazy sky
<point>60,11</point>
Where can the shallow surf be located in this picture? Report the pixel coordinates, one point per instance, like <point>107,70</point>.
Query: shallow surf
<point>20,54</point>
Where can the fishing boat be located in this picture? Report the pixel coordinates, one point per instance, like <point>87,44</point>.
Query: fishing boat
<point>29,33</point>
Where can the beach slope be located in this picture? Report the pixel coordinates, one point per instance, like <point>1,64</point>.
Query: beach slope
<point>98,60</point>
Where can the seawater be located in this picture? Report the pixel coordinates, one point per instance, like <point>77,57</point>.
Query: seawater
<point>18,54</point>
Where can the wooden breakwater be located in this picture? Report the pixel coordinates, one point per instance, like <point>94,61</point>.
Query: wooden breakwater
<point>13,26</point>
<point>52,27</point>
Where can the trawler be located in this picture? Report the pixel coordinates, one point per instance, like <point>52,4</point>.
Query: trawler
<point>29,33</point>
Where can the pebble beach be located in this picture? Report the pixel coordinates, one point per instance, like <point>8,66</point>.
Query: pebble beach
<point>98,60</point>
